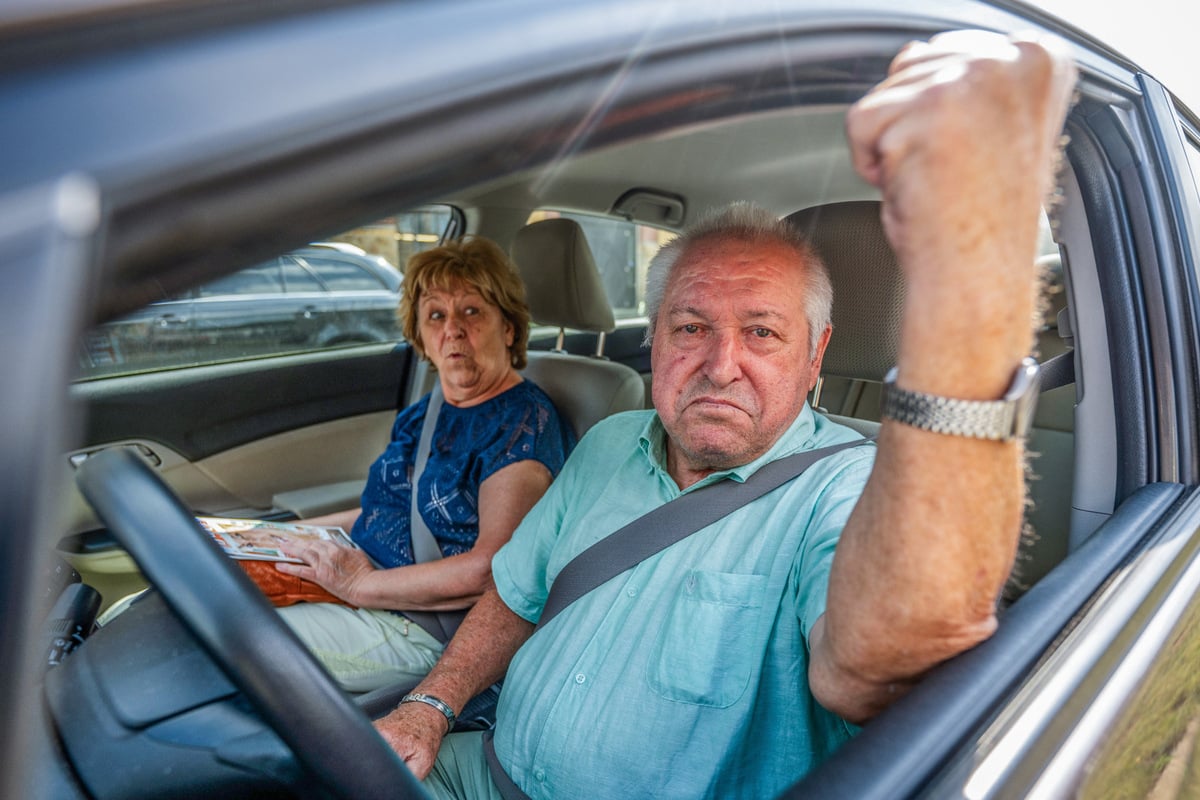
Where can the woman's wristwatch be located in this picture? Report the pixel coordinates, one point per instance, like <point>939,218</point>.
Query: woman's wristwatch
<point>1002,420</point>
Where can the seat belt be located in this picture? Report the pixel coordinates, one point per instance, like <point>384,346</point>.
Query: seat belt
<point>505,785</point>
<point>440,624</point>
<point>1057,371</point>
<point>669,523</point>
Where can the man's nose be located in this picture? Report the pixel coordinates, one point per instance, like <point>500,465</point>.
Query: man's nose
<point>723,363</point>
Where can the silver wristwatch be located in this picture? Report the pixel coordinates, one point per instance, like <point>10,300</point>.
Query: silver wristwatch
<point>436,702</point>
<point>1001,420</point>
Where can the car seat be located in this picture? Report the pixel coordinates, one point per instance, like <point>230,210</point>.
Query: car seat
<point>564,289</point>
<point>866,324</point>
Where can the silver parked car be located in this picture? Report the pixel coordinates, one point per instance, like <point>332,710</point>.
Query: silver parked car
<point>314,297</point>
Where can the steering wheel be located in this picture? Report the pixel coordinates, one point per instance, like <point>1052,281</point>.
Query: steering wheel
<point>223,609</point>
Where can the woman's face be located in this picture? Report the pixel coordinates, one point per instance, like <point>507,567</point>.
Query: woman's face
<point>467,339</point>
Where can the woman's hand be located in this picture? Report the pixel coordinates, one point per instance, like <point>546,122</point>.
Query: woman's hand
<point>338,569</point>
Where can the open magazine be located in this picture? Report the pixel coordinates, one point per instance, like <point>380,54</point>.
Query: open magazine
<point>259,540</point>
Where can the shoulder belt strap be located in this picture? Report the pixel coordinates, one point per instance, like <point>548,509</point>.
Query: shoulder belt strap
<point>442,624</point>
<point>1057,371</point>
<point>669,523</point>
<point>504,784</point>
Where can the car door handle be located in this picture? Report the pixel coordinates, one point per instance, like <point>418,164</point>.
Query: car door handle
<point>169,321</point>
<point>142,450</point>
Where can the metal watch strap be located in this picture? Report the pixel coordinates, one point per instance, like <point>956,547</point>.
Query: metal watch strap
<point>1000,420</point>
<point>430,700</point>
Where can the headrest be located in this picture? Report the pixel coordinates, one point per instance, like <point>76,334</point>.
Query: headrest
<point>561,280</point>
<point>868,287</point>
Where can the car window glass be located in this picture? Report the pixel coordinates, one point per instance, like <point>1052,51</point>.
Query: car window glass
<point>622,251</point>
<point>400,237</point>
<point>340,291</point>
<point>340,275</point>
<point>1192,148</point>
<point>259,279</point>
<point>298,278</point>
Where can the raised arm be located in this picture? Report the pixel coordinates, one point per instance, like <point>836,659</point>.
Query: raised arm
<point>962,139</point>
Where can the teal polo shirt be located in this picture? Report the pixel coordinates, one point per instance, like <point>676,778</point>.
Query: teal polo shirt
<point>687,675</point>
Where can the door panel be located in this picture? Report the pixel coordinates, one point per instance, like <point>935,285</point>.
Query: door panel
<point>288,436</point>
<point>201,411</point>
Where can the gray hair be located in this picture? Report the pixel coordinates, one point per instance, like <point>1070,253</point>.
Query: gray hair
<point>747,222</point>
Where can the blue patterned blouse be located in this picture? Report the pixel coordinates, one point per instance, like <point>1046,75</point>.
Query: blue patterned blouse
<point>469,444</point>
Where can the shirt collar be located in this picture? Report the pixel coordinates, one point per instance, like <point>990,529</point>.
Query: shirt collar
<point>653,444</point>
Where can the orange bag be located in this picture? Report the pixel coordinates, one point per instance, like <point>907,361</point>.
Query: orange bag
<point>286,590</point>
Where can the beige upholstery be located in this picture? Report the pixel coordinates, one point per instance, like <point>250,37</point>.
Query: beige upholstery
<point>564,290</point>
<point>585,389</point>
<point>866,324</point>
<point>562,283</point>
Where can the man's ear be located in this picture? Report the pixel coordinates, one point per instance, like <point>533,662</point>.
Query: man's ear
<point>819,356</point>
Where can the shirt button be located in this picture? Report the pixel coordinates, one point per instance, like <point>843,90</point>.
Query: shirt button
<point>580,678</point>
<point>631,591</point>
<point>539,775</point>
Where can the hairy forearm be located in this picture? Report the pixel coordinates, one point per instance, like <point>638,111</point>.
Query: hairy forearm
<point>477,657</point>
<point>919,567</point>
<point>479,653</point>
<point>925,553</point>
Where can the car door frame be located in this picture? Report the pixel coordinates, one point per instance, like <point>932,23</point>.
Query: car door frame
<point>140,241</point>
<point>46,235</point>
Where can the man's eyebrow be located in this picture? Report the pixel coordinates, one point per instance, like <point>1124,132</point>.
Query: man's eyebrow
<point>766,313</point>
<point>756,314</point>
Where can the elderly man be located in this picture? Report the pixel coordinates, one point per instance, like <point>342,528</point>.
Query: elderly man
<point>730,663</point>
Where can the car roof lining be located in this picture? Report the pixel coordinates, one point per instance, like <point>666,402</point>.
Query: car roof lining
<point>703,164</point>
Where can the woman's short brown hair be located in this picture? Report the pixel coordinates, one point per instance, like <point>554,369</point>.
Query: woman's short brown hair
<point>479,263</point>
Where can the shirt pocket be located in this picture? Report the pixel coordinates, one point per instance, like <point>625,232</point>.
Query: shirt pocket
<point>707,651</point>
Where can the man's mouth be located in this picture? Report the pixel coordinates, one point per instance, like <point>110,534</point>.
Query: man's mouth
<point>714,404</point>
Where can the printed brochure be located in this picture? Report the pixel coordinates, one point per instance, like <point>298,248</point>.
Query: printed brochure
<point>259,540</point>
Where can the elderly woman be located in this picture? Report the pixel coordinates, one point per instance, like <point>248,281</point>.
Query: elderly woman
<point>498,443</point>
